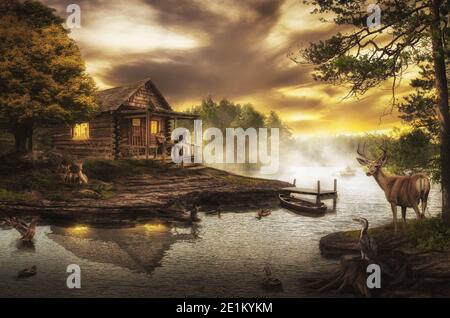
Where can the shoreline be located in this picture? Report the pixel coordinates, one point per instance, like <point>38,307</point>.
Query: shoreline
<point>146,196</point>
<point>419,272</point>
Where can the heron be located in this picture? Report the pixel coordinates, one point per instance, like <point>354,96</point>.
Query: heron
<point>366,243</point>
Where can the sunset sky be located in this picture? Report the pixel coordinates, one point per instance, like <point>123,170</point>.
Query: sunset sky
<point>226,48</point>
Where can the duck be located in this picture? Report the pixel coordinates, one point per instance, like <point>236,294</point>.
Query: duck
<point>263,213</point>
<point>31,231</point>
<point>367,244</point>
<point>28,272</point>
<point>271,283</point>
<point>193,212</point>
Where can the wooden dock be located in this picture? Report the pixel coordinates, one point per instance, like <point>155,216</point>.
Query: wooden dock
<point>320,194</point>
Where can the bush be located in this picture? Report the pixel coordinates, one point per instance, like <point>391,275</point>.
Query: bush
<point>6,195</point>
<point>429,234</point>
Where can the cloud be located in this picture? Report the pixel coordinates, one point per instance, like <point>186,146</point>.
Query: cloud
<point>233,49</point>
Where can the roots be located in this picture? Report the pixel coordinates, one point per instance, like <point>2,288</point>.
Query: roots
<point>350,276</point>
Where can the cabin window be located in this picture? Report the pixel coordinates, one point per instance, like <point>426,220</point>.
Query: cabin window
<point>136,122</point>
<point>154,127</point>
<point>81,131</point>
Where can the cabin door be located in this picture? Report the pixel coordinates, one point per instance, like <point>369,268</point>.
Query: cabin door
<point>137,132</point>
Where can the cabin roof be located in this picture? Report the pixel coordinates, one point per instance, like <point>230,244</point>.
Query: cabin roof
<point>111,99</point>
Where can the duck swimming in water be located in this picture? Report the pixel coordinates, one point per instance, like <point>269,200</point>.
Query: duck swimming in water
<point>27,272</point>
<point>271,283</point>
<point>367,244</point>
<point>263,213</point>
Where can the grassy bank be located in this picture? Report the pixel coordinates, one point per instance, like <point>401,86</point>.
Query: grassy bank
<point>33,181</point>
<point>430,234</point>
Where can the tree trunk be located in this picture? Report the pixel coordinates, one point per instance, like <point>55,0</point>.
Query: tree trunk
<point>30,139</point>
<point>442,105</point>
<point>23,136</point>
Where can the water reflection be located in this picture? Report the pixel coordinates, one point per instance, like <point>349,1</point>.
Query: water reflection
<point>140,248</point>
<point>26,246</point>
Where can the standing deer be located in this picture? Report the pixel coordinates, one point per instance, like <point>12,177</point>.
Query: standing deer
<point>403,191</point>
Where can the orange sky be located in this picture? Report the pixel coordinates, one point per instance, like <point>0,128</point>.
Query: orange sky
<point>229,49</point>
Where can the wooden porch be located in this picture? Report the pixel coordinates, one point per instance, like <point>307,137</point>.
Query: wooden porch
<point>140,132</point>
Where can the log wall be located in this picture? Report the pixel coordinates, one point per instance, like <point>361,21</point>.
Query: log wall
<point>99,144</point>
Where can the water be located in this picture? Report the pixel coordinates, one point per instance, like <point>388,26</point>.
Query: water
<point>223,257</point>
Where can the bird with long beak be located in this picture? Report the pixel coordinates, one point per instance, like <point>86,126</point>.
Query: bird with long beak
<point>367,244</point>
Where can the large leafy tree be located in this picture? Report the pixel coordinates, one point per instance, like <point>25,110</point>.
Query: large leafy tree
<point>363,56</point>
<point>43,80</point>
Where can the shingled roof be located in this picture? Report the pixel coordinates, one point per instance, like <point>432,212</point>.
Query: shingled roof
<point>111,99</point>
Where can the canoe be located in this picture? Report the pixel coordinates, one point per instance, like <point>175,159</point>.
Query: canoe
<point>299,205</point>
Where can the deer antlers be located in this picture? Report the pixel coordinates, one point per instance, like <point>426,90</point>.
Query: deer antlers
<point>363,153</point>
<point>365,157</point>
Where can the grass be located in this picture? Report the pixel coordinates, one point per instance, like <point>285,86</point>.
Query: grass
<point>429,234</point>
<point>6,195</point>
<point>19,178</point>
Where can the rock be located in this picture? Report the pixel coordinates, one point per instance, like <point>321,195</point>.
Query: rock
<point>89,194</point>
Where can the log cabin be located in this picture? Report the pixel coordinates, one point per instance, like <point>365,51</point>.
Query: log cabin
<point>126,125</point>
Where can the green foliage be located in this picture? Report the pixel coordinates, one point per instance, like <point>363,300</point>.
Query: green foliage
<point>6,195</point>
<point>419,108</point>
<point>425,235</point>
<point>43,79</point>
<point>414,151</point>
<point>226,114</point>
<point>363,57</point>
<point>429,234</point>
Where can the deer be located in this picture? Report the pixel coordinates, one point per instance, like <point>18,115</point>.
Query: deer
<point>400,191</point>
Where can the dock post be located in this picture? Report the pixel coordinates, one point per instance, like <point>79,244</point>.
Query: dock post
<point>318,193</point>
<point>335,195</point>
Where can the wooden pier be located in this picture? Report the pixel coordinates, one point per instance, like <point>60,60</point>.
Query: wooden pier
<point>320,194</point>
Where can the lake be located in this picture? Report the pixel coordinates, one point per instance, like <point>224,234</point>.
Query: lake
<point>224,256</point>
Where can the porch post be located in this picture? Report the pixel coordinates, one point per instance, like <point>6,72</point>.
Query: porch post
<point>147,132</point>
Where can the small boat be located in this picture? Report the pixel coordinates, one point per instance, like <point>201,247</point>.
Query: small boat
<point>300,205</point>
<point>348,172</point>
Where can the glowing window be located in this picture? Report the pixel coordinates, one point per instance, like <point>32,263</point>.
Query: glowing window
<point>81,131</point>
<point>154,127</point>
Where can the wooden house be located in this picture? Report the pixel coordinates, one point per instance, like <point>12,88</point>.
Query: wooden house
<point>128,121</point>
